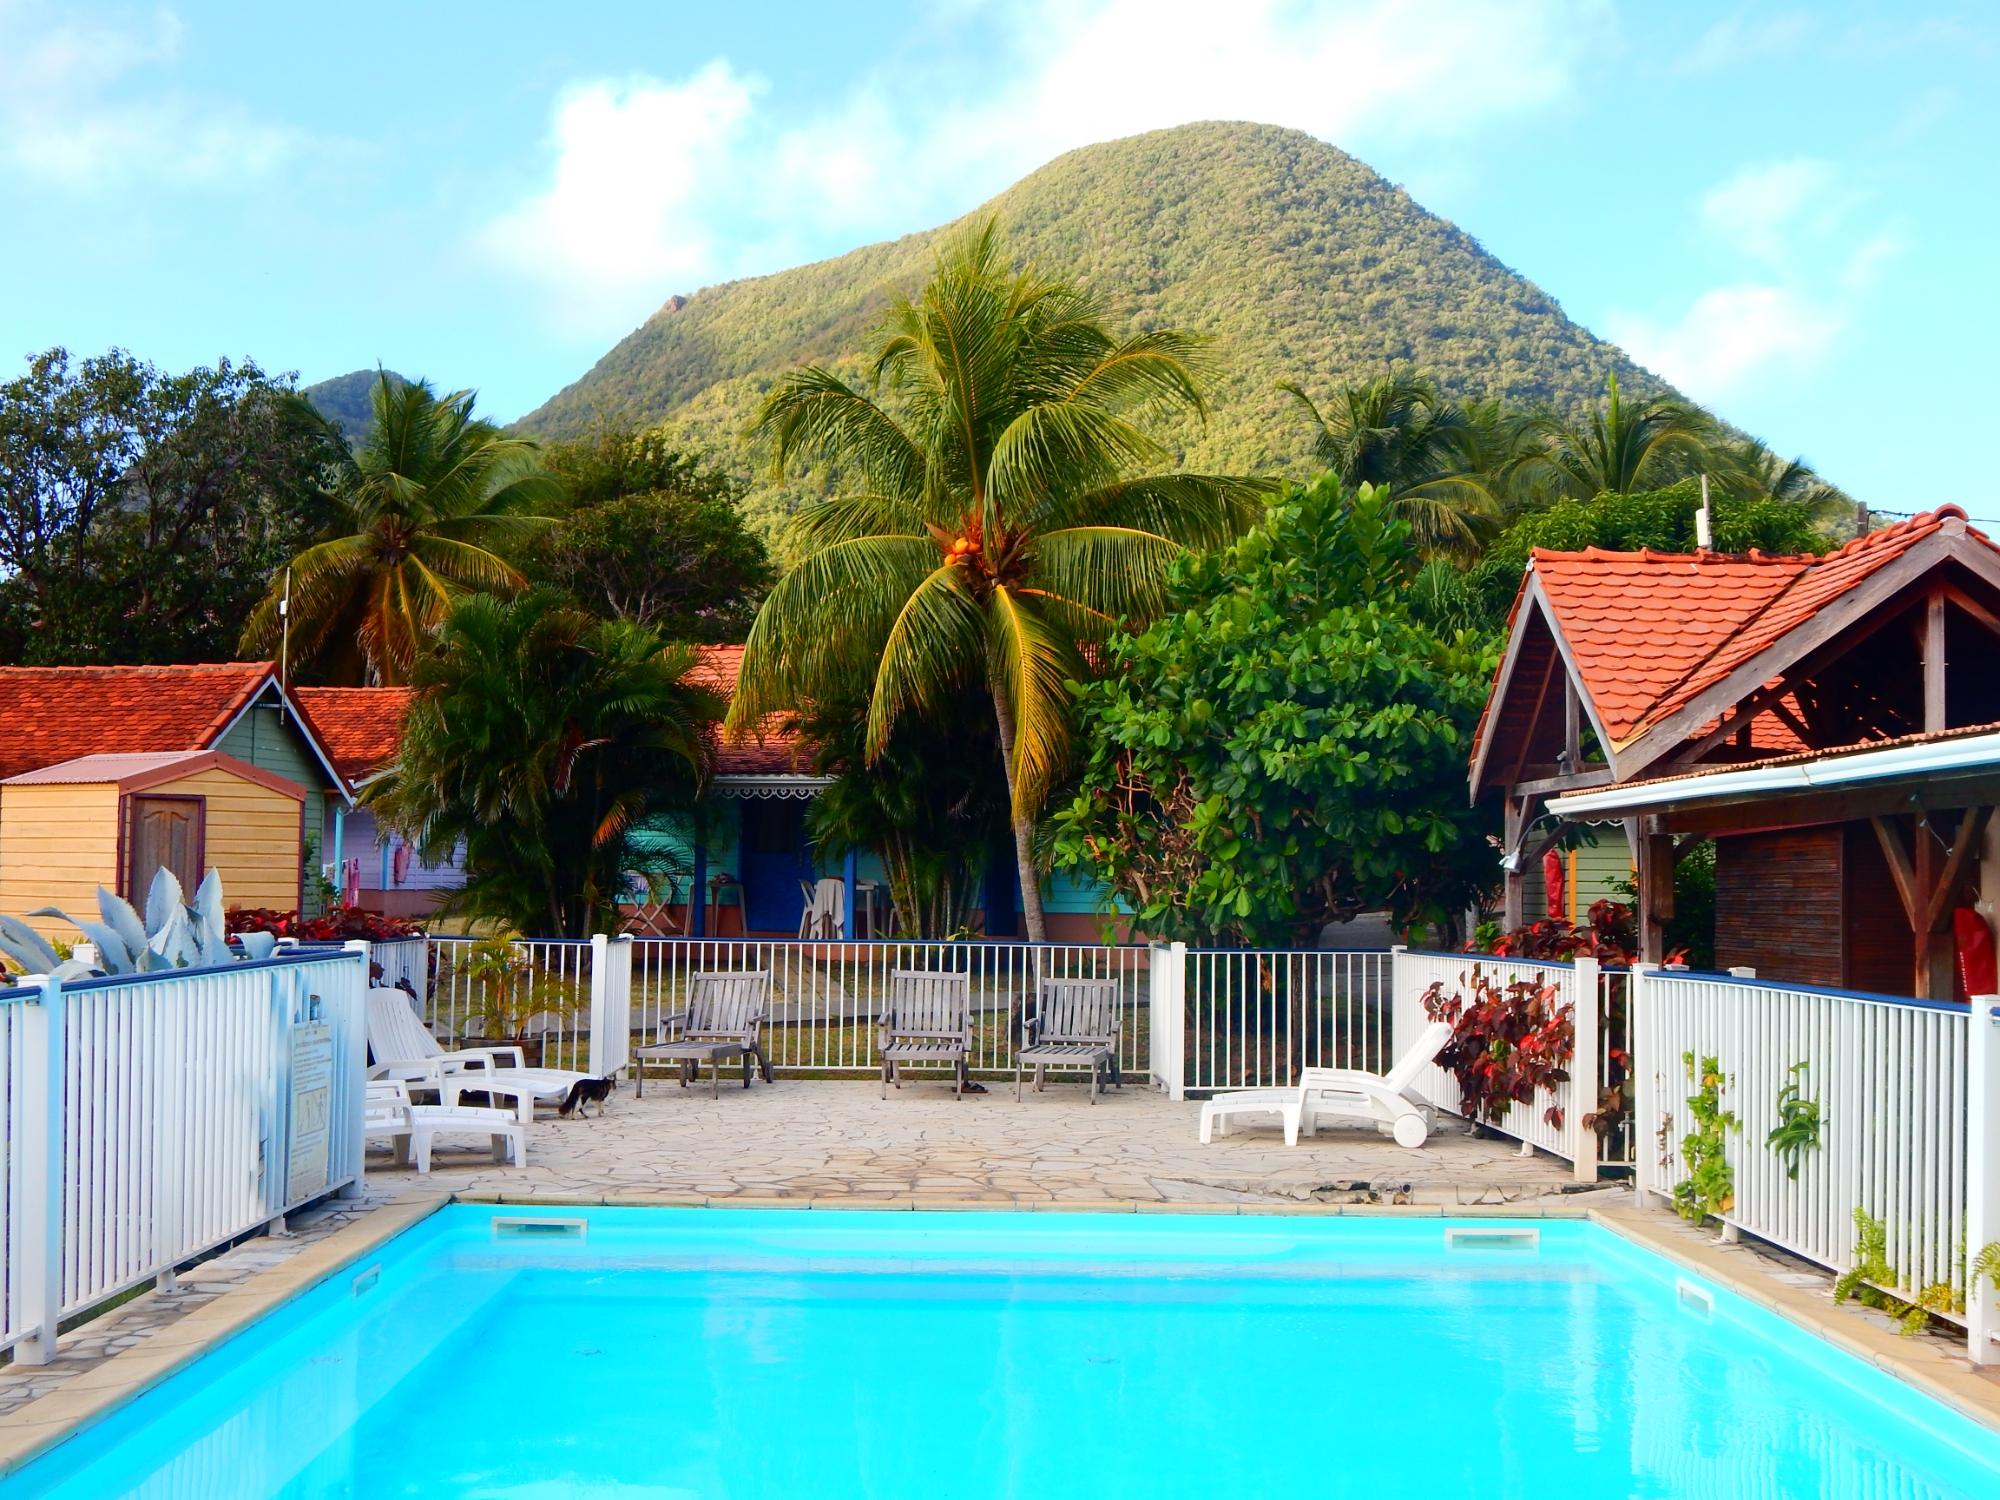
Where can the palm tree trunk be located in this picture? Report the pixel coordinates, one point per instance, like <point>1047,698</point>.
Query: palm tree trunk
<point>1024,826</point>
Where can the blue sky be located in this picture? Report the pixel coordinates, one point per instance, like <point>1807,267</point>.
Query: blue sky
<point>1789,211</point>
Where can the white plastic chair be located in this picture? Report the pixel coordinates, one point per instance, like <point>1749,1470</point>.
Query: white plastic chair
<point>412,1129</point>
<point>1352,1095</point>
<point>403,1048</point>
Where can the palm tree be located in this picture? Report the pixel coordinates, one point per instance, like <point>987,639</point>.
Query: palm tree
<point>540,740</point>
<point>1618,448</point>
<point>1436,459</point>
<point>1750,470</point>
<point>420,509</point>
<point>1014,512</point>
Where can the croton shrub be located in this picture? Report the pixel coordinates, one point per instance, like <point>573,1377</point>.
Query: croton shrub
<point>1509,1042</point>
<point>336,926</point>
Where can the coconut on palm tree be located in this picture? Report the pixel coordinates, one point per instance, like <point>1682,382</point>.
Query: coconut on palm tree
<point>1012,509</point>
<point>424,510</point>
<point>1437,459</point>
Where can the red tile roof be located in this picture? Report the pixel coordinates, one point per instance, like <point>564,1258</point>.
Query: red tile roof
<point>53,714</point>
<point>1650,631</point>
<point>360,727</point>
<point>772,749</point>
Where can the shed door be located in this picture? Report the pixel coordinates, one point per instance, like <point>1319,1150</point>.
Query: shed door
<point>164,832</point>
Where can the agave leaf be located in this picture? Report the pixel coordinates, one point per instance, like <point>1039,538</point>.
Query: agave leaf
<point>119,916</point>
<point>112,954</point>
<point>258,945</point>
<point>27,947</point>
<point>163,901</point>
<point>72,968</point>
<point>172,939</point>
<point>210,923</point>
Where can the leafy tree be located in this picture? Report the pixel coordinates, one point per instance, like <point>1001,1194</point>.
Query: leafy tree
<point>1286,746</point>
<point>1014,510</point>
<point>1662,519</point>
<point>423,511</point>
<point>656,537</point>
<point>140,512</point>
<point>540,739</point>
<point>931,804</point>
<point>1618,446</point>
<point>1752,471</point>
<point>1437,459</point>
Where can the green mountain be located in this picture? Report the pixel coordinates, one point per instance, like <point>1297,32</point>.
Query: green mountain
<point>1300,262</point>
<point>344,401</point>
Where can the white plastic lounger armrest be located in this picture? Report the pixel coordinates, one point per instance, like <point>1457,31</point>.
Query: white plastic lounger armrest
<point>471,1059</point>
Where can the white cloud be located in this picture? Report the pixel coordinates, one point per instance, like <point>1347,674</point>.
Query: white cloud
<point>1739,39</point>
<point>1792,219</point>
<point>658,186</point>
<point>79,109</point>
<point>1763,208</point>
<point>1729,335</point>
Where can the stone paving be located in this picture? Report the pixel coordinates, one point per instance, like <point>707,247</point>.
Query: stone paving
<point>803,1139</point>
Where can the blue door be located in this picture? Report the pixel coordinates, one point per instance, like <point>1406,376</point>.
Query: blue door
<point>774,860</point>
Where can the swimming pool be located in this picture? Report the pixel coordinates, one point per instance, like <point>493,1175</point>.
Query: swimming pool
<point>698,1352</point>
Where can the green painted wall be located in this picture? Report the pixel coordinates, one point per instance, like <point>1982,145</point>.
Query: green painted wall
<point>273,744</point>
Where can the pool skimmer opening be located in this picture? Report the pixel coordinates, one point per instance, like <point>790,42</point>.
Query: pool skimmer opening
<point>538,1229</point>
<point>1493,1239</point>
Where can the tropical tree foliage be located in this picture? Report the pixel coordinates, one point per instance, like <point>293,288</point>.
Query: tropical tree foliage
<point>1617,446</point>
<point>1286,746</point>
<point>1010,509</point>
<point>655,535</point>
<point>932,805</point>
<point>141,512</point>
<point>1441,463</point>
<point>539,741</point>
<point>423,512</point>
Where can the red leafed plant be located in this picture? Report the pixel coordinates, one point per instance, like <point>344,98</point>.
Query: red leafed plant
<point>1507,1043</point>
<point>336,926</point>
<point>1610,935</point>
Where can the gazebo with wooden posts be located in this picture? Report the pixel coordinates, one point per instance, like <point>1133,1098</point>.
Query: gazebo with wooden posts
<point>1833,723</point>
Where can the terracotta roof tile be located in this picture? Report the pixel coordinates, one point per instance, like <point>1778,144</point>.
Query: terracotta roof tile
<point>1651,630</point>
<point>53,714</point>
<point>772,749</point>
<point>360,727</point>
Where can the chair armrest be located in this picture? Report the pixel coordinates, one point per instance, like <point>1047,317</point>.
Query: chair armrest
<point>486,1059</point>
<point>674,1022</point>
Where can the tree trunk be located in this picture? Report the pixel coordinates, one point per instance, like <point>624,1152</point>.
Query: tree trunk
<point>1024,826</point>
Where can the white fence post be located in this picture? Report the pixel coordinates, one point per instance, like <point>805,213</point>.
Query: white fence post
<point>1982,1174</point>
<point>1166,1028</point>
<point>610,1004</point>
<point>1398,955</point>
<point>1641,1069</point>
<point>41,1166</point>
<point>1583,1068</point>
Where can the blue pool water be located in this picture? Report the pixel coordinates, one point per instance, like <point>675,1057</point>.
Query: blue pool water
<point>691,1352</point>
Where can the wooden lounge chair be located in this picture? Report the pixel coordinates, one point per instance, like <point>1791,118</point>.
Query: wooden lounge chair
<point>724,1019</point>
<point>928,1020</point>
<point>1074,1025</point>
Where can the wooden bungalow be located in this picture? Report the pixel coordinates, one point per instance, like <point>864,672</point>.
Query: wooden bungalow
<point>1833,723</point>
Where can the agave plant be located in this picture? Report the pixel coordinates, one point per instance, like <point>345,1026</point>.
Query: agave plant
<point>175,934</point>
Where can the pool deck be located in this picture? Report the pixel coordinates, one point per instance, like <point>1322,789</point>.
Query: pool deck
<point>828,1145</point>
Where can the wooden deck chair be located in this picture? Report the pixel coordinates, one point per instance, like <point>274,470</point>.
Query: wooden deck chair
<point>928,1020</point>
<point>724,1019</point>
<point>1074,1025</point>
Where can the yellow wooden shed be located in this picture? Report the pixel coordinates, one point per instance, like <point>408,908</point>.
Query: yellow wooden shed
<point>112,820</point>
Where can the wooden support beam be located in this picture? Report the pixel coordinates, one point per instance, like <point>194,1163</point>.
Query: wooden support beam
<point>1934,662</point>
<point>1931,968</point>
<point>1572,725</point>
<point>1584,779</point>
<point>1656,893</point>
<point>1971,828</point>
<point>1897,853</point>
<point>1511,883</point>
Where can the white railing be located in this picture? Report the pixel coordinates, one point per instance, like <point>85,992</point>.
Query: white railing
<point>1576,984</point>
<point>543,1004</point>
<point>405,965</point>
<point>826,996</point>
<point>1891,1077</point>
<point>1254,1017</point>
<point>156,1117</point>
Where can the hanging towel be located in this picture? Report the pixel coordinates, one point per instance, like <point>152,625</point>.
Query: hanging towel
<point>399,863</point>
<point>350,883</point>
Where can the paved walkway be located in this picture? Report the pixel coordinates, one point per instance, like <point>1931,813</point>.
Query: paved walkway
<point>800,1139</point>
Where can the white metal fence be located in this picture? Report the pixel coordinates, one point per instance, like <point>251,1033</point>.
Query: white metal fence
<point>153,1118</point>
<point>1891,1078</point>
<point>405,965</point>
<point>1576,985</point>
<point>1254,1017</point>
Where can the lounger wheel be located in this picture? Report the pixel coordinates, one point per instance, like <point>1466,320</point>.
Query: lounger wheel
<point>1409,1131</point>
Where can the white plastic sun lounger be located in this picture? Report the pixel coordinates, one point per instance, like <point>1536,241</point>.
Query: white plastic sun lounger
<point>388,1114</point>
<point>1383,1100</point>
<point>401,1047</point>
